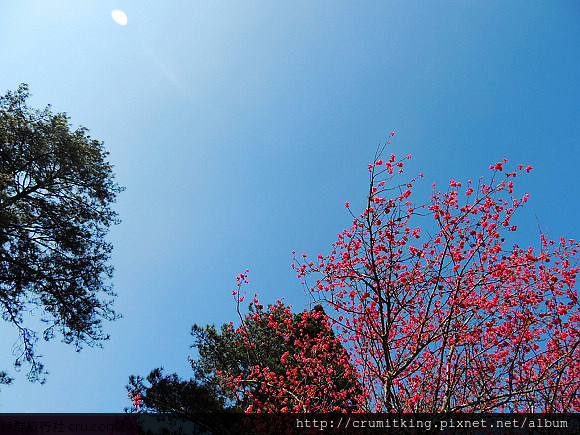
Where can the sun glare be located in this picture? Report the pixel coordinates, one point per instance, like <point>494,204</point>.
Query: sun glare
<point>120,17</point>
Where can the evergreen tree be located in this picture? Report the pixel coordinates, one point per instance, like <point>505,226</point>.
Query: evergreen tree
<point>56,188</point>
<point>260,341</point>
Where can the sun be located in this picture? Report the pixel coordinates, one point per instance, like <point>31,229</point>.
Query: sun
<point>120,17</point>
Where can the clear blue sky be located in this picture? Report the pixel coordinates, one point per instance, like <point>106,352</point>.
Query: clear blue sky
<point>241,128</point>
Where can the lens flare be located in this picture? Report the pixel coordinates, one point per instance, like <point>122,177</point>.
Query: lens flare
<point>120,17</point>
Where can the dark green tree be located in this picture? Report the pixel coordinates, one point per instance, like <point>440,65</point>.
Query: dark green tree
<point>230,351</point>
<point>56,188</point>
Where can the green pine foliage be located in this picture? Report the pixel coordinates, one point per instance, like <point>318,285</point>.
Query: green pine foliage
<point>222,351</point>
<point>56,188</point>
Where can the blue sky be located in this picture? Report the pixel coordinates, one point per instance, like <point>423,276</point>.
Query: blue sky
<point>239,130</point>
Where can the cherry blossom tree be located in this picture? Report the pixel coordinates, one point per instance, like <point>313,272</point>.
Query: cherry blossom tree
<point>239,369</point>
<point>436,311</point>
<point>314,372</point>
